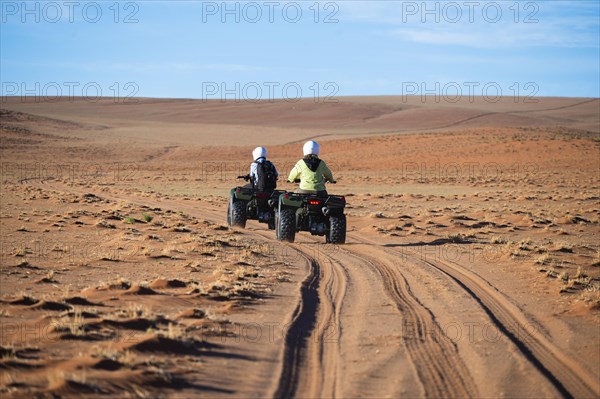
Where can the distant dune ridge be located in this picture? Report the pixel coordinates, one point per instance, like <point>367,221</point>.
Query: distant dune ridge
<point>215,122</point>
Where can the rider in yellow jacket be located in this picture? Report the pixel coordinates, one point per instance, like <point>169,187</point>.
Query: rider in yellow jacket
<point>311,170</point>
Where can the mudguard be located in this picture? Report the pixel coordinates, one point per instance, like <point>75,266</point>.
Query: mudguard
<point>335,201</point>
<point>241,194</point>
<point>289,199</point>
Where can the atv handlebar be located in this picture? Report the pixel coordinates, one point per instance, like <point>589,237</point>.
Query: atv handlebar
<point>245,177</point>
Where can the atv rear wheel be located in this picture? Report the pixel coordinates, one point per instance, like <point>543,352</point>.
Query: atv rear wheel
<point>337,229</point>
<point>286,226</point>
<point>237,215</point>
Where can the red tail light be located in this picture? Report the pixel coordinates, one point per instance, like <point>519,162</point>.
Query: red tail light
<point>286,196</point>
<point>262,195</point>
<point>314,202</point>
<point>343,199</point>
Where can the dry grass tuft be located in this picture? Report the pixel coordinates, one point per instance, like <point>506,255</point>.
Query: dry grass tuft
<point>544,259</point>
<point>498,240</point>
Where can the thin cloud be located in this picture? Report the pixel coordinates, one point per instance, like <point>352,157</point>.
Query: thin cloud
<point>570,24</point>
<point>499,36</point>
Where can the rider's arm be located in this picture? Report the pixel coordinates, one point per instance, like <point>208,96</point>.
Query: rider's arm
<point>294,174</point>
<point>327,174</point>
<point>253,174</point>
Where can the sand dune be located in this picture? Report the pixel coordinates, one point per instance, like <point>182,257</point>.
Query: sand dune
<point>471,267</point>
<point>278,122</point>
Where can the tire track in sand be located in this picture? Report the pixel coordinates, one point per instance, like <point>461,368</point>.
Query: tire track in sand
<point>297,339</point>
<point>435,357</point>
<point>567,376</point>
<point>335,279</point>
<point>441,371</point>
<point>311,355</point>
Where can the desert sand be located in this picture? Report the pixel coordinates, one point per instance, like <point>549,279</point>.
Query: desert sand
<point>471,268</point>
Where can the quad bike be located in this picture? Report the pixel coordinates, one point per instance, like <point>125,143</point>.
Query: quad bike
<point>249,203</point>
<point>321,215</point>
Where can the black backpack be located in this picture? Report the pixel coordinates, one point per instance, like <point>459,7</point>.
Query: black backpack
<point>266,178</point>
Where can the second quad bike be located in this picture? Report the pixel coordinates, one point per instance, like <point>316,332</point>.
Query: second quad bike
<point>320,215</point>
<point>249,203</point>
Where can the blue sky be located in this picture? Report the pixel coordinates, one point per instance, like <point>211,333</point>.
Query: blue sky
<point>279,49</point>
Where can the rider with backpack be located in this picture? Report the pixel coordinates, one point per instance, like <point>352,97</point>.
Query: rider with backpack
<point>263,174</point>
<point>312,171</point>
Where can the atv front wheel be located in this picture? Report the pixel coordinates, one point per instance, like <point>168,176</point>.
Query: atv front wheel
<point>237,215</point>
<point>337,229</point>
<point>286,226</point>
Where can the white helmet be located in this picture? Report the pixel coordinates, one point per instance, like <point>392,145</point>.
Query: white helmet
<point>259,152</point>
<point>311,147</point>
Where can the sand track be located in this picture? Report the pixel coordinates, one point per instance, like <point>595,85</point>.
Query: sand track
<point>568,377</point>
<point>335,315</point>
<point>298,335</point>
<point>441,371</point>
<point>312,352</point>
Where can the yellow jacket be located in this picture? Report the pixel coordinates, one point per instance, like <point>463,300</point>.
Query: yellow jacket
<point>312,172</point>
